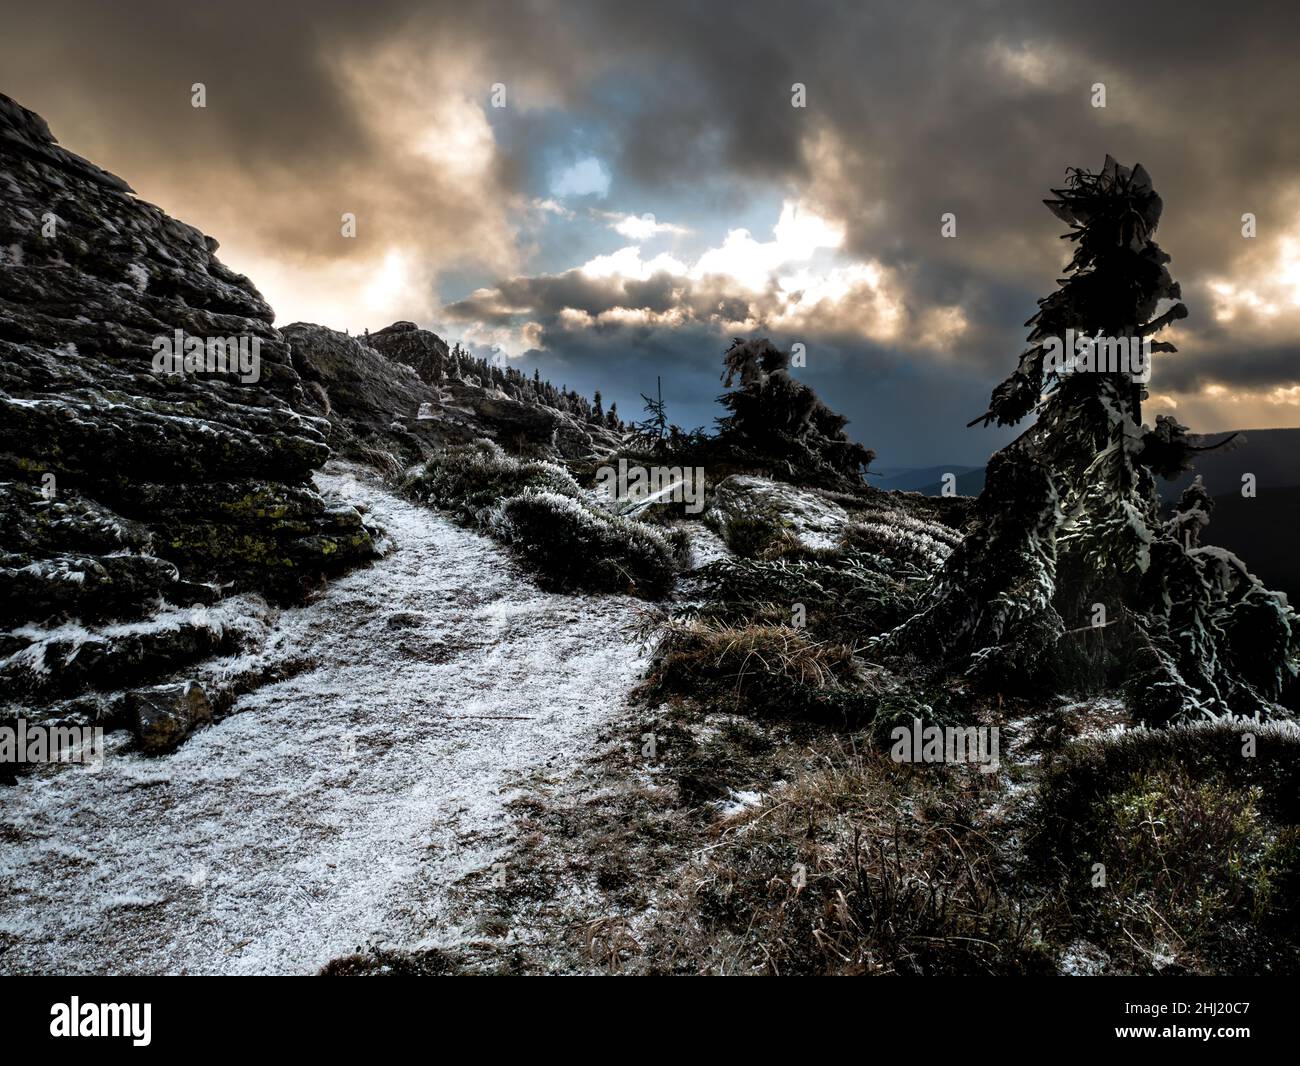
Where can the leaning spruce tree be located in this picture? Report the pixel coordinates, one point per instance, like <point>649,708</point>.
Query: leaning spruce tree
<point>1069,537</point>
<point>777,421</point>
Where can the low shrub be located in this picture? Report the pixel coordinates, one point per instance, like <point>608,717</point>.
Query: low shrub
<point>844,601</point>
<point>468,480</point>
<point>902,540</point>
<point>574,545</point>
<point>538,509</point>
<point>754,535</point>
<point>903,707</point>
<point>1090,768</point>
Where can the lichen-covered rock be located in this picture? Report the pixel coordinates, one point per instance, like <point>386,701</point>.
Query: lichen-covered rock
<point>163,715</point>
<point>372,402</point>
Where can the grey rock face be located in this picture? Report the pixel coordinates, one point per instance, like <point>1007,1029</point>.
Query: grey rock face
<point>125,480</point>
<point>111,470</point>
<point>424,352</point>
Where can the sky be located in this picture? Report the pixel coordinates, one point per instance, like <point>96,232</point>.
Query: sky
<point>613,191</point>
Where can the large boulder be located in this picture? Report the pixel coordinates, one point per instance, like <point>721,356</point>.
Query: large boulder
<point>127,479</point>
<point>423,351</point>
<point>371,401</point>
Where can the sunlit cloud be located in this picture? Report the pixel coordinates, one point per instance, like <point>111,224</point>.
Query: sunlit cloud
<point>796,283</point>
<point>1262,288</point>
<point>640,227</point>
<point>627,263</point>
<point>1032,63</point>
<point>551,206</point>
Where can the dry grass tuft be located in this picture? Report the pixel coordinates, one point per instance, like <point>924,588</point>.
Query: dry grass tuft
<point>856,867</point>
<point>758,669</point>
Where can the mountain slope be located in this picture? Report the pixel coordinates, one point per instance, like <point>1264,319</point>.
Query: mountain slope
<point>136,490</point>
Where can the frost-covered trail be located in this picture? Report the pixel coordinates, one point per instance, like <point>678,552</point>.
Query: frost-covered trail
<point>332,809</point>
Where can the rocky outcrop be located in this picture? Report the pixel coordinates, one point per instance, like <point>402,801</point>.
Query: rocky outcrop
<point>401,393</point>
<point>371,402</point>
<point>424,352</point>
<point>158,439</point>
<point>128,476</point>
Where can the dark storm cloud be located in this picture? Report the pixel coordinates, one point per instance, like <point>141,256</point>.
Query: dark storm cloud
<point>546,295</point>
<point>1267,366</point>
<point>914,109</point>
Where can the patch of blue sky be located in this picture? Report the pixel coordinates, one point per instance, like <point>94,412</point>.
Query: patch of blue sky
<point>584,177</point>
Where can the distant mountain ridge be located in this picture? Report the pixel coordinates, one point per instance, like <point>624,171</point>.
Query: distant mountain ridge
<point>1272,455</point>
<point>922,479</point>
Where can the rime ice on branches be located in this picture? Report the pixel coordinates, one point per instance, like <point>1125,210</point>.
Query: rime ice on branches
<point>1070,517</point>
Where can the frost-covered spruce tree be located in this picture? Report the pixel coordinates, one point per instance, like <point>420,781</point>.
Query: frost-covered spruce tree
<point>778,421</point>
<point>1070,515</point>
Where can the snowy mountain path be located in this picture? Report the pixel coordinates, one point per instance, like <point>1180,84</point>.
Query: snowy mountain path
<point>334,809</point>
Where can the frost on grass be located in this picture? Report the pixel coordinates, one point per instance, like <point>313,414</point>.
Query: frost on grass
<point>336,807</point>
<point>750,512</point>
<point>575,545</point>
